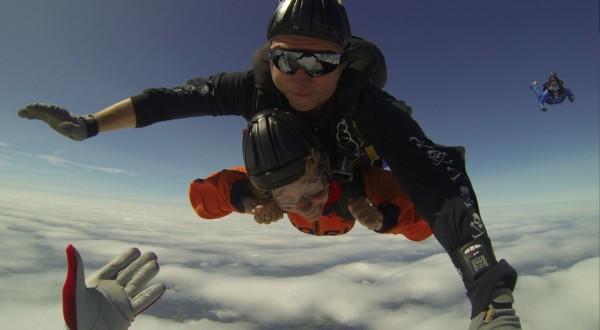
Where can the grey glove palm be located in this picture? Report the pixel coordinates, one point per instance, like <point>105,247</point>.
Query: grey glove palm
<point>75,127</point>
<point>111,297</point>
<point>500,314</point>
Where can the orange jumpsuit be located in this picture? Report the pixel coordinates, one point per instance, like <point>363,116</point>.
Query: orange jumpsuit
<point>220,194</point>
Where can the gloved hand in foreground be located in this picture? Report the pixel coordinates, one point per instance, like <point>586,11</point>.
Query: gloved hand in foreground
<point>500,315</point>
<point>113,295</point>
<point>75,127</point>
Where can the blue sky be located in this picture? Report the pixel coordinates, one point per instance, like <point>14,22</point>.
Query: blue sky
<point>464,67</point>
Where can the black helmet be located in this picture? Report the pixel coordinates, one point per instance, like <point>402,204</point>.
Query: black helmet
<point>276,148</point>
<point>322,19</point>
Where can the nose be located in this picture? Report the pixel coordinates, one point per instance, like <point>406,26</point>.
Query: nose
<point>301,75</point>
<point>304,205</point>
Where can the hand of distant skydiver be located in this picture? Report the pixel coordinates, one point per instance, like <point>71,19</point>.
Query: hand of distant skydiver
<point>500,314</point>
<point>264,211</point>
<point>571,99</point>
<point>75,127</point>
<point>366,213</point>
<point>113,296</point>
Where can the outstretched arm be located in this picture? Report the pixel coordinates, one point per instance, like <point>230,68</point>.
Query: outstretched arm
<point>117,116</point>
<point>227,191</point>
<point>113,295</point>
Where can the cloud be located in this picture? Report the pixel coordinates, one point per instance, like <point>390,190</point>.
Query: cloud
<point>54,160</point>
<point>234,274</point>
<point>59,161</point>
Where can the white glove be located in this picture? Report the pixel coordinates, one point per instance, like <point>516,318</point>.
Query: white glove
<point>500,314</point>
<point>113,296</point>
<point>75,127</point>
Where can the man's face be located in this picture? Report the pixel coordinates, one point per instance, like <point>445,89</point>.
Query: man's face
<point>305,93</point>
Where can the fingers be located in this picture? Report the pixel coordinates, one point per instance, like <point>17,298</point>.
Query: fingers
<point>375,225</point>
<point>268,213</point>
<point>146,298</point>
<point>42,111</point>
<point>149,269</point>
<point>265,219</point>
<point>30,111</point>
<point>57,118</point>
<point>135,264</point>
<point>141,276</point>
<point>365,212</point>
<point>372,222</point>
<point>121,262</point>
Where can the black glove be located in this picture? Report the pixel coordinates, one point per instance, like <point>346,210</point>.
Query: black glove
<point>75,127</point>
<point>481,291</point>
<point>571,99</point>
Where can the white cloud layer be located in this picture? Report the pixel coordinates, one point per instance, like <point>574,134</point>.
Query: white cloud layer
<point>234,274</point>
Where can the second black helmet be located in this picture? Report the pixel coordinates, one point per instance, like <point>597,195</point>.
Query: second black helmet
<point>276,148</point>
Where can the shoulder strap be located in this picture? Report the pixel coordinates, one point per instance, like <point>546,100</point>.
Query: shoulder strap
<point>266,92</point>
<point>355,188</point>
<point>365,64</point>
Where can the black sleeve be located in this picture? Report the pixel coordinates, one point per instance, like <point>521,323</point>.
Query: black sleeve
<point>222,94</point>
<point>433,176</point>
<point>436,181</point>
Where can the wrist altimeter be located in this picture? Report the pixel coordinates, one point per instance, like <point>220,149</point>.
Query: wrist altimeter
<point>475,257</point>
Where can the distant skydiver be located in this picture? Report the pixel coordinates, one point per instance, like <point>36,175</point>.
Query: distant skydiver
<point>551,92</point>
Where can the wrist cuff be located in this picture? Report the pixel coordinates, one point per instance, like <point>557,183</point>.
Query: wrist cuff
<point>390,217</point>
<point>91,126</point>
<point>240,189</point>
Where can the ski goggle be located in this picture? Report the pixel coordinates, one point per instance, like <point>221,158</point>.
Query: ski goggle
<point>314,64</point>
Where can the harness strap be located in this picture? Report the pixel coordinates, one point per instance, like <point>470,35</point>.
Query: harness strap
<point>351,148</point>
<point>348,190</point>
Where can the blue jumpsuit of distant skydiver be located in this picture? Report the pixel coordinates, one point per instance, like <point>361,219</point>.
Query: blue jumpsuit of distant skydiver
<point>549,97</point>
